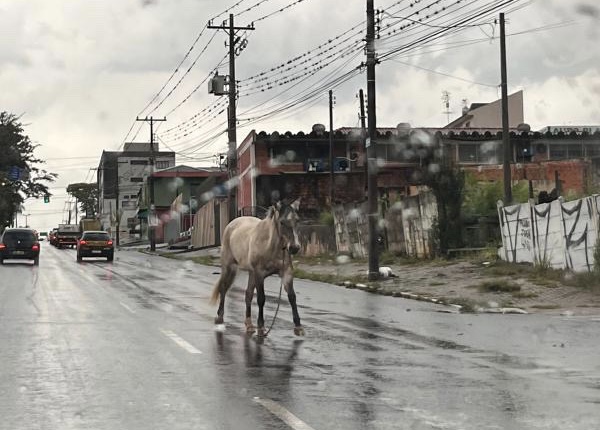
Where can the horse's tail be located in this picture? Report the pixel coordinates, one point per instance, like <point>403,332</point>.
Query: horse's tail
<point>216,293</point>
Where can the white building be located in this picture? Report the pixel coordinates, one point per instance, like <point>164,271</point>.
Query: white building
<point>120,177</point>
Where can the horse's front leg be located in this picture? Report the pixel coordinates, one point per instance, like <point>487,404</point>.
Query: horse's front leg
<point>260,299</point>
<point>249,296</point>
<point>288,282</point>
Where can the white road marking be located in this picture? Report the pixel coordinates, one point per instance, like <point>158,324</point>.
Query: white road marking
<point>283,414</point>
<point>181,342</point>
<point>127,307</point>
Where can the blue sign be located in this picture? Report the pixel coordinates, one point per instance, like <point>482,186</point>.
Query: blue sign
<point>14,173</point>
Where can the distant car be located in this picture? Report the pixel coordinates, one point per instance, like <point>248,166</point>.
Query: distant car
<point>95,244</point>
<point>19,244</point>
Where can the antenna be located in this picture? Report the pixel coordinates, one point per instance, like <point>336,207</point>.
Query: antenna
<point>446,101</point>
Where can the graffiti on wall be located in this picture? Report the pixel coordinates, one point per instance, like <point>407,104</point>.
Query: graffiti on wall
<point>560,234</point>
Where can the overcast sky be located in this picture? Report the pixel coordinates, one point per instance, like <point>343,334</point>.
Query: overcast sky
<point>79,71</point>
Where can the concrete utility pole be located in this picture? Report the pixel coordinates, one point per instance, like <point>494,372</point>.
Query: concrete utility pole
<point>363,126</point>
<point>151,212</point>
<point>505,136</point>
<point>370,144</point>
<point>231,114</point>
<point>331,158</point>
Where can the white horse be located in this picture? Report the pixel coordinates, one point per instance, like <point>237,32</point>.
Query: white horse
<point>263,248</point>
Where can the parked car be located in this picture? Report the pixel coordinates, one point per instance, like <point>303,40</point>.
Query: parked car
<point>19,244</point>
<point>95,244</point>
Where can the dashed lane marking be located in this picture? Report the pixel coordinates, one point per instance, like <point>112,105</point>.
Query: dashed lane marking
<point>181,342</point>
<point>283,414</point>
<point>127,307</point>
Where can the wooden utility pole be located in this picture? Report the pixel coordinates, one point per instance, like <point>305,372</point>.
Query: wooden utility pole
<point>505,136</point>
<point>231,111</point>
<point>370,144</point>
<point>151,212</point>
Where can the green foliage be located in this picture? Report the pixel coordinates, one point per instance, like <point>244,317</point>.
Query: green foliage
<point>481,197</point>
<point>326,218</point>
<point>87,196</point>
<point>18,151</point>
<point>447,183</point>
<point>498,286</point>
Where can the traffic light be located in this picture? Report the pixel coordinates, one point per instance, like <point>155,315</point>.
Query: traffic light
<point>46,199</point>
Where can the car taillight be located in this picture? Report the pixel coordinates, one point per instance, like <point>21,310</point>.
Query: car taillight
<point>35,247</point>
<point>82,242</point>
<point>2,246</point>
<point>109,243</point>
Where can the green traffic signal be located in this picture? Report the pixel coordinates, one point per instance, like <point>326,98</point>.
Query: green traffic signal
<point>46,199</point>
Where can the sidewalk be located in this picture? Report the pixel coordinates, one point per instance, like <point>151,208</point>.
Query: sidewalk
<point>464,285</point>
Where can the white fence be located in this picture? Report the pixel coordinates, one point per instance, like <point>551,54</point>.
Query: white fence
<point>561,235</point>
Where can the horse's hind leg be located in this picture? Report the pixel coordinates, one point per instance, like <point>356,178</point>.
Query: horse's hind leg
<point>225,280</point>
<point>249,296</point>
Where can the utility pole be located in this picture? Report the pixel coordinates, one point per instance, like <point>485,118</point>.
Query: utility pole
<point>151,212</point>
<point>331,159</point>
<point>363,127</point>
<point>505,137</point>
<point>231,113</point>
<point>370,144</point>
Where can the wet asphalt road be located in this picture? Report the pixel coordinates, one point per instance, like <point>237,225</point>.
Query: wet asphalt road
<point>131,345</point>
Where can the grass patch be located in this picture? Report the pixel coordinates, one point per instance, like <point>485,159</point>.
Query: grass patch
<point>524,295</point>
<point>437,284</point>
<point>589,281</point>
<point>498,286</point>
<point>329,278</point>
<point>546,306</point>
<point>501,268</point>
<point>207,260</point>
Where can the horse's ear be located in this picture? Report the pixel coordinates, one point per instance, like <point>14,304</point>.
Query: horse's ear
<point>296,204</point>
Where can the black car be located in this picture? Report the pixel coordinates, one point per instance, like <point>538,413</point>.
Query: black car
<point>95,244</point>
<point>19,244</point>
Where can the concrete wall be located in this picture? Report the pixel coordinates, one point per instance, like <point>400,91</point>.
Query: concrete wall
<point>560,234</point>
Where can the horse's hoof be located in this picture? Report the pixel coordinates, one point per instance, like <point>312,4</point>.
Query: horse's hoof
<point>250,330</point>
<point>261,332</point>
<point>299,331</point>
<point>218,320</point>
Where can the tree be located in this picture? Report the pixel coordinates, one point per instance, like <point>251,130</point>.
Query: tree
<point>447,182</point>
<point>87,196</point>
<point>20,178</point>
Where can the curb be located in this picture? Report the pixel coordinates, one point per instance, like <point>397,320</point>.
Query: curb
<point>425,298</point>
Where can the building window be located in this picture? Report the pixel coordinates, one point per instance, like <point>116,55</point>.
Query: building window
<point>139,162</point>
<point>468,153</point>
<point>133,196</point>
<point>162,164</point>
<point>137,179</point>
<point>282,154</point>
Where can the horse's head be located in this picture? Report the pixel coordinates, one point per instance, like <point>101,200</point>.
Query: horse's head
<point>287,218</point>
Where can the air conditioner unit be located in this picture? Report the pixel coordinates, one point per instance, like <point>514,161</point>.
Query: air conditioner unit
<point>341,165</point>
<point>314,165</point>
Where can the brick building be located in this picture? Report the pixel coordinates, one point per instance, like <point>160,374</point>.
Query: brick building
<point>274,165</point>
